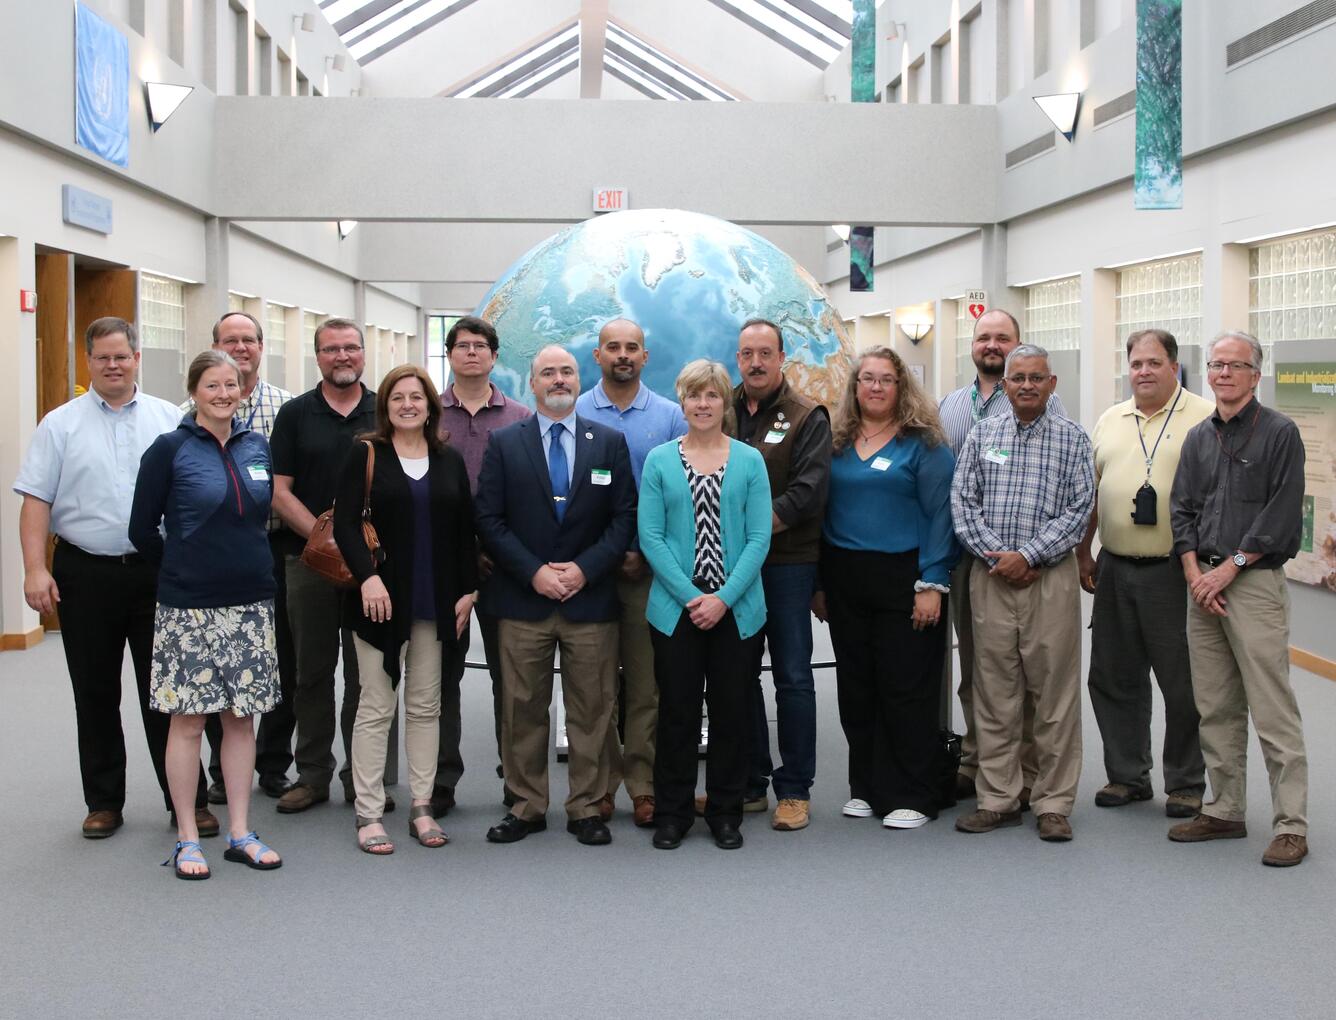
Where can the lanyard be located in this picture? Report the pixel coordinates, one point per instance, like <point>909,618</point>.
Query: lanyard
<point>975,407</point>
<point>255,405</point>
<point>1232,455</point>
<point>1150,457</point>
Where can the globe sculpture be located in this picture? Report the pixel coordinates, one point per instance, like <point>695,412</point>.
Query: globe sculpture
<point>688,279</point>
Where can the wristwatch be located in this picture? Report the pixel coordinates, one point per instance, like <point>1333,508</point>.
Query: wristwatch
<point>1240,560</point>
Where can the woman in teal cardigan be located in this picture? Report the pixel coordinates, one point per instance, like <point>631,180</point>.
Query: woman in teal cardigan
<point>704,524</point>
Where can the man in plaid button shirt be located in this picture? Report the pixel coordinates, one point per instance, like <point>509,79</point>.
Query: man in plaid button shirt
<point>1020,500</point>
<point>239,335</point>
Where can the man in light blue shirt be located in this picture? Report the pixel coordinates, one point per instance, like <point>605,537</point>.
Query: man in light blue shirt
<point>621,401</point>
<point>77,481</point>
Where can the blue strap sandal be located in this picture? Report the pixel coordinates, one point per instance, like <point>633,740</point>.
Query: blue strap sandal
<point>190,851</point>
<point>237,851</point>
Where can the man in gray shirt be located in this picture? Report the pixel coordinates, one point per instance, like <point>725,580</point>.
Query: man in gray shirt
<point>1237,510</point>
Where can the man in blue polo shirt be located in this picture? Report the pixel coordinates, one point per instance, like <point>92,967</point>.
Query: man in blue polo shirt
<point>647,420</point>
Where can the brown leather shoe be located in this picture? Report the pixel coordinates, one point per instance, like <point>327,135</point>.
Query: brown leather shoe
<point>101,824</point>
<point>1204,827</point>
<point>301,797</point>
<point>791,814</point>
<point>1121,794</point>
<point>1182,804</point>
<point>644,810</point>
<point>206,822</point>
<point>1286,850</point>
<point>986,821</point>
<point>1053,828</point>
<point>605,807</point>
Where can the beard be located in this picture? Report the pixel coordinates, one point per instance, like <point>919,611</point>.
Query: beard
<point>343,377</point>
<point>559,402</point>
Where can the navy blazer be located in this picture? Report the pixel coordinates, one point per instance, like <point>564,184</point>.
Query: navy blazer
<point>518,524</point>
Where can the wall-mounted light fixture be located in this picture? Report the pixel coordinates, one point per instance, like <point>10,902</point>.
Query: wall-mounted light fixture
<point>346,227</point>
<point>305,22</point>
<point>916,331</point>
<point>163,99</point>
<point>841,231</point>
<point>337,61</point>
<point>1061,108</point>
<point>898,30</point>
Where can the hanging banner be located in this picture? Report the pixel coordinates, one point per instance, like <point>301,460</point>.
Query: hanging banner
<point>1159,151</point>
<point>863,89</point>
<point>101,87</point>
<point>1306,392</point>
<point>860,258</point>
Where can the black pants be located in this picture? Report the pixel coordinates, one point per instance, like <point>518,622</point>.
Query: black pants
<point>449,761</point>
<point>105,602</point>
<point>889,677</point>
<point>273,741</point>
<point>715,664</point>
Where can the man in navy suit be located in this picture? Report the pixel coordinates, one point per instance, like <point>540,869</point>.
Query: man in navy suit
<point>556,507</point>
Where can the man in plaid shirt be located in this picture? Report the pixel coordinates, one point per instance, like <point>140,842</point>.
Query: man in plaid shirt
<point>239,336</point>
<point>1020,500</point>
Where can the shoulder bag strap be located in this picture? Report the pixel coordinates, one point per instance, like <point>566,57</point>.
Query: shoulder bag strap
<point>370,466</point>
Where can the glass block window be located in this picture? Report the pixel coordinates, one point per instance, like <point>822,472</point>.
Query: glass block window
<point>964,344</point>
<point>310,374</point>
<point>275,330</point>
<point>1157,295</point>
<point>235,302</point>
<point>1053,314</point>
<point>162,313</point>
<point>1292,290</point>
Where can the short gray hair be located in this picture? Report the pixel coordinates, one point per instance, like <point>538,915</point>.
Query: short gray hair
<point>1238,334</point>
<point>1026,351</point>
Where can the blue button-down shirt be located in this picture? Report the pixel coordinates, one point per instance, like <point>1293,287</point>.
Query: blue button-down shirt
<point>648,421</point>
<point>567,440</point>
<point>84,461</point>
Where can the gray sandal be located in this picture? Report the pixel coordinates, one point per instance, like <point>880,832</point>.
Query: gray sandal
<point>373,844</point>
<point>433,837</point>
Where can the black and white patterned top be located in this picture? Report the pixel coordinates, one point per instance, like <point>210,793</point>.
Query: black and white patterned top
<point>705,491</point>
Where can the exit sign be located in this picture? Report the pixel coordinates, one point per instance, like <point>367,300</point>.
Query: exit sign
<point>611,199</point>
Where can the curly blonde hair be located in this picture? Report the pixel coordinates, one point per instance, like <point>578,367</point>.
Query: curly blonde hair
<point>914,412</point>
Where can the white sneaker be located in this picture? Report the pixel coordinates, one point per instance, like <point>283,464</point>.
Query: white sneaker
<point>904,818</point>
<point>857,808</point>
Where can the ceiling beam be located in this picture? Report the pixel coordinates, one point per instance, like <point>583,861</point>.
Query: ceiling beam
<point>593,38</point>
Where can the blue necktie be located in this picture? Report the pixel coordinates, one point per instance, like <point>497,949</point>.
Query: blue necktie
<point>556,469</point>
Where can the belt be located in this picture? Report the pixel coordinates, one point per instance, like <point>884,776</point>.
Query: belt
<point>119,558</point>
<point>1142,561</point>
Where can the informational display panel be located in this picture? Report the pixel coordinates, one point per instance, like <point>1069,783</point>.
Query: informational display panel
<point>1306,392</point>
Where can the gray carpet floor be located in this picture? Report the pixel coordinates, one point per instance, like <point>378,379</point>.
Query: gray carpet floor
<point>842,918</point>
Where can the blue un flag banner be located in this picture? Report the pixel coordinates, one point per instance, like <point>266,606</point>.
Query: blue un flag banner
<point>101,87</point>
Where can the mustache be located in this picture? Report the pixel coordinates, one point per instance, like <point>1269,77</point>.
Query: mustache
<point>756,371</point>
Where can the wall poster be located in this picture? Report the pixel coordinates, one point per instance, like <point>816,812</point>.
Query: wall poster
<point>1306,392</point>
<point>862,89</point>
<point>1159,146</point>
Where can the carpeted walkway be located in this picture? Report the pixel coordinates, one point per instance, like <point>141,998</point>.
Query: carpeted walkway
<point>844,918</point>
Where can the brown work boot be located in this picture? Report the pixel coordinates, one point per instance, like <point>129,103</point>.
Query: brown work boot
<point>1204,827</point>
<point>1182,804</point>
<point>1119,794</point>
<point>605,806</point>
<point>1286,850</point>
<point>101,824</point>
<point>206,822</point>
<point>984,820</point>
<point>790,814</point>
<point>644,810</point>
<point>301,797</point>
<point>1053,828</point>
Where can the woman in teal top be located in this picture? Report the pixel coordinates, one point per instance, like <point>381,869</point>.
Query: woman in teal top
<point>704,522</point>
<point>886,556</point>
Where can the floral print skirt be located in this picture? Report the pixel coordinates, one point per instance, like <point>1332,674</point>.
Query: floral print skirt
<point>215,660</point>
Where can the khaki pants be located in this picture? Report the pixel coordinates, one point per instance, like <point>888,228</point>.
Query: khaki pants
<point>969,743</point>
<point>1027,641</point>
<point>636,765</point>
<point>588,690</point>
<point>420,680</point>
<point>1241,664</point>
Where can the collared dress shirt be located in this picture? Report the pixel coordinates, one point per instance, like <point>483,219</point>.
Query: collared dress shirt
<point>567,440</point>
<point>84,461</point>
<point>960,410</point>
<point>469,433</point>
<point>648,421</point>
<point>1023,487</point>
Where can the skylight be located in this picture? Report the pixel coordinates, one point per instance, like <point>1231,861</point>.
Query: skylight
<point>816,30</point>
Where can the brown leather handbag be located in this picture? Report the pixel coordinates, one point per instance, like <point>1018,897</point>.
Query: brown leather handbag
<point>322,553</point>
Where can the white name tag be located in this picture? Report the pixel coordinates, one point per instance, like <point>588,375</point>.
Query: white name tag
<point>881,463</point>
<point>258,473</point>
<point>774,436</point>
<point>995,456</point>
<point>600,476</point>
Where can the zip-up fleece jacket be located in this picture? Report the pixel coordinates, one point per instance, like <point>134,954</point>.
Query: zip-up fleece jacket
<point>214,501</point>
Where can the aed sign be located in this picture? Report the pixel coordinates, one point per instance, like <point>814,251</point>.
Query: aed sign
<point>611,199</point>
<point>977,302</point>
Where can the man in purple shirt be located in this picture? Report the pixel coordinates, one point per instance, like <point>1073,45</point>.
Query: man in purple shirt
<point>472,408</point>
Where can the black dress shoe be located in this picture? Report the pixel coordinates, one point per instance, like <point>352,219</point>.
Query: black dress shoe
<point>217,793</point>
<point>726,836</point>
<point>590,831</point>
<point>668,836</point>
<point>511,829</point>
<point>442,800</point>
<point>275,785</point>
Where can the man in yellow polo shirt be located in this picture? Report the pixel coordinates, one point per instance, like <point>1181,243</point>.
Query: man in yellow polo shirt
<point>1139,621</point>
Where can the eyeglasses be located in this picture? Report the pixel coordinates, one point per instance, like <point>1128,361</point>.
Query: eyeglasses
<point>1034,379</point>
<point>102,360</point>
<point>478,348</point>
<point>1233,366</point>
<point>348,349</point>
<point>884,381</point>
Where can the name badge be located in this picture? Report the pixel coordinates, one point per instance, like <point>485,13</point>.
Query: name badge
<point>600,476</point>
<point>996,456</point>
<point>774,436</point>
<point>258,473</point>
<point>881,463</point>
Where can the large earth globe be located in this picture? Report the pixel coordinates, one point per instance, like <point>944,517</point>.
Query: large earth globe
<point>687,279</point>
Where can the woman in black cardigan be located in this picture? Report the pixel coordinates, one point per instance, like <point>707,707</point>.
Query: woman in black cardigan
<point>414,605</point>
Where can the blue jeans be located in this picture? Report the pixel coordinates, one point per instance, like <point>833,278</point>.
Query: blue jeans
<point>788,633</point>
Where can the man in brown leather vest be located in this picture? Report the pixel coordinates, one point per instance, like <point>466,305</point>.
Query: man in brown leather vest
<point>792,433</point>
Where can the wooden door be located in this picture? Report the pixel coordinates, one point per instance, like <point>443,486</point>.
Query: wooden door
<point>55,313</point>
<point>99,292</point>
